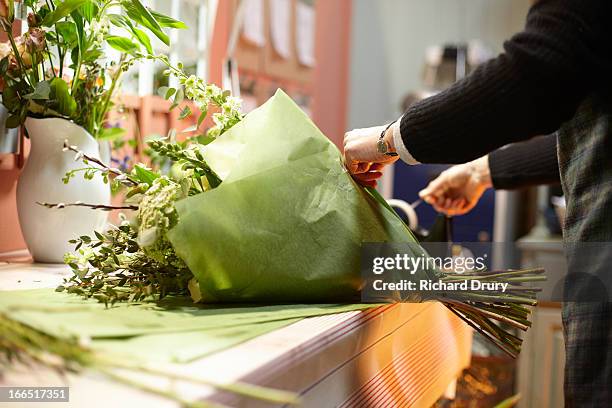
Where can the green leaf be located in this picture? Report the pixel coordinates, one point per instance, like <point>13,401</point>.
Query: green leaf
<point>110,133</point>
<point>161,91</point>
<point>89,10</point>
<point>43,11</point>
<point>68,31</point>
<point>166,92</point>
<point>180,96</point>
<point>122,44</point>
<point>10,98</point>
<point>119,21</point>
<point>51,37</point>
<point>92,55</point>
<point>166,21</point>
<point>185,112</point>
<point>63,102</point>
<point>205,139</point>
<point>169,93</point>
<point>80,26</point>
<point>62,10</point>
<point>42,91</point>
<point>123,22</point>
<point>144,175</point>
<point>13,121</point>
<point>143,38</point>
<point>202,117</point>
<point>4,64</point>
<point>140,14</point>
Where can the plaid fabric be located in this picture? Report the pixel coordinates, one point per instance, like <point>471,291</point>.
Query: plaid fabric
<point>587,328</point>
<point>585,161</point>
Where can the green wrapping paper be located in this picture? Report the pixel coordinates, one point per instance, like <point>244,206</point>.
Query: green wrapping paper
<point>171,330</point>
<point>288,221</point>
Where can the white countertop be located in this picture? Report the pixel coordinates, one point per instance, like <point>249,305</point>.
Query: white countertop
<point>397,354</point>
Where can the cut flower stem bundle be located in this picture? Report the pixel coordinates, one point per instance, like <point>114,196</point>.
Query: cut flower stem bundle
<point>481,309</point>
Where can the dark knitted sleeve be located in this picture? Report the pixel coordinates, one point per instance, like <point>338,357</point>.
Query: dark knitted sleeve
<point>529,90</point>
<point>525,164</point>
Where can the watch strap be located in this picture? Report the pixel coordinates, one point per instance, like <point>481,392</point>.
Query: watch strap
<point>382,137</point>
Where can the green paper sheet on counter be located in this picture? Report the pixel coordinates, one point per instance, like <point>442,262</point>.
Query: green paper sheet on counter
<point>174,330</point>
<point>288,221</point>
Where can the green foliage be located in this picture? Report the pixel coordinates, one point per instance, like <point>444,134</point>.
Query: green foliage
<point>144,175</point>
<point>136,260</point>
<point>61,101</point>
<point>111,134</point>
<point>141,15</point>
<point>62,10</point>
<point>111,267</point>
<point>122,44</point>
<point>38,61</point>
<point>166,21</point>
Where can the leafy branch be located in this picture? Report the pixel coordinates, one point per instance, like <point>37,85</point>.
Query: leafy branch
<point>191,159</point>
<point>121,177</point>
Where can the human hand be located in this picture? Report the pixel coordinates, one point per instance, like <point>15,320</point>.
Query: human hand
<point>361,155</point>
<point>457,190</point>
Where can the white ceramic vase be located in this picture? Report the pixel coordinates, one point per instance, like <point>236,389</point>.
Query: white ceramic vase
<point>47,231</point>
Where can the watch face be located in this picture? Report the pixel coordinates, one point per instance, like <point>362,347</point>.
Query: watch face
<point>381,146</point>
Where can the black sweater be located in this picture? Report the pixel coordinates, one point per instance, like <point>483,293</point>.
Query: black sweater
<point>563,54</point>
<point>525,164</point>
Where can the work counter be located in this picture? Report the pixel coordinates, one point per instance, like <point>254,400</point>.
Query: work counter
<point>402,355</point>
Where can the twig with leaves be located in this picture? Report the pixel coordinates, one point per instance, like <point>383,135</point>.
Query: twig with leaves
<point>90,206</point>
<point>106,171</point>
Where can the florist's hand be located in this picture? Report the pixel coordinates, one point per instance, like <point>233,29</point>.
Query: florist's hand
<point>361,155</point>
<point>457,190</point>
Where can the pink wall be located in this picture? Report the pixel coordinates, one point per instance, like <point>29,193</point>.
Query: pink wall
<point>332,51</point>
<point>331,73</point>
<point>10,233</point>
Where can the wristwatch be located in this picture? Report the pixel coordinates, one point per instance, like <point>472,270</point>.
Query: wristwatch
<point>383,146</point>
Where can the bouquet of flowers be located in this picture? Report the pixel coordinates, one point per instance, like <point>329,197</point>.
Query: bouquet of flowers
<point>261,210</point>
<point>59,68</point>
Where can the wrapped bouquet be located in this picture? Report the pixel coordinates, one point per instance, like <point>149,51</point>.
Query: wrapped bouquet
<point>265,213</point>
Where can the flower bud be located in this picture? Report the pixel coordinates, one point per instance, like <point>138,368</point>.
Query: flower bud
<point>35,40</point>
<point>4,8</point>
<point>34,20</point>
<point>26,57</point>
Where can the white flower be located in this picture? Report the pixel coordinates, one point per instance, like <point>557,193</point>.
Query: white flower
<point>234,102</point>
<point>212,91</point>
<point>219,119</point>
<point>191,81</point>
